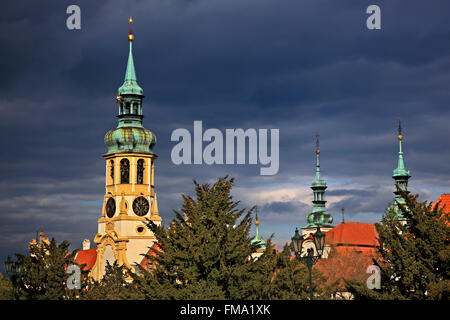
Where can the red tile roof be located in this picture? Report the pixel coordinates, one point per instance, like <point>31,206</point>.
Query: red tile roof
<point>444,203</point>
<point>151,252</point>
<point>87,257</point>
<point>353,234</point>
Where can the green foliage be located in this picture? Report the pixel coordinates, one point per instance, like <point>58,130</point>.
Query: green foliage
<point>291,280</point>
<point>113,286</point>
<point>415,256</point>
<point>43,274</point>
<point>206,252</point>
<point>6,288</point>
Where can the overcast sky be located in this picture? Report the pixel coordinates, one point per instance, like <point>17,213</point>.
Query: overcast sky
<point>298,66</point>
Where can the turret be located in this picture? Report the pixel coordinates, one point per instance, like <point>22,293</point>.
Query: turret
<point>319,216</point>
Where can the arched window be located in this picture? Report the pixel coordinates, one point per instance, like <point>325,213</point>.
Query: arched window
<point>111,163</point>
<point>140,171</point>
<point>124,171</point>
<point>135,108</point>
<point>127,108</point>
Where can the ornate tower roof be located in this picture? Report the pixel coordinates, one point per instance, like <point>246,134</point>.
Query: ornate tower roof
<point>401,176</point>
<point>319,216</point>
<point>257,239</point>
<point>130,135</point>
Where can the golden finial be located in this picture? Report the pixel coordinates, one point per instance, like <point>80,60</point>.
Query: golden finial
<point>256,220</point>
<point>130,35</point>
<point>400,137</point>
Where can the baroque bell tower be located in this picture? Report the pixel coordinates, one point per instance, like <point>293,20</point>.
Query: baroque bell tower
<point>130,198</point>
<point>319,217</point>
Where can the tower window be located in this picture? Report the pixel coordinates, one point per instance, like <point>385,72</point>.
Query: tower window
<point>135,108</point>
<point>111,163</point>
<point>127,108</point>
<point>140,171</point>
<point>124,171</point>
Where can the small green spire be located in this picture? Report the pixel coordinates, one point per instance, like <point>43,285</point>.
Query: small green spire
<point>257,239</point>
<point>401,176</point>
<point>318,181</point>
<point>130,85</point>
<point>400,171</point>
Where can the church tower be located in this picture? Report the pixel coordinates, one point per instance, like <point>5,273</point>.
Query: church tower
<point>401,176</point>
<point>130,198</point>
<point>319,216</point>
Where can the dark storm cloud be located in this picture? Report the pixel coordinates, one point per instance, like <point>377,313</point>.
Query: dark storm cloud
<point>300,66</point>
<point>283,207</point>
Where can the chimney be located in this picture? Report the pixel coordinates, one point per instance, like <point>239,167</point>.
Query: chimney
<point>86,244</point>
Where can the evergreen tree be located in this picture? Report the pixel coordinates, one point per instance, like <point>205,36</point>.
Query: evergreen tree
<point>6,288</point>
<point>205,253</point>
<point>113,285</point>
<point>43,275</point>
<point>291,279</point>
<point>414,258</point>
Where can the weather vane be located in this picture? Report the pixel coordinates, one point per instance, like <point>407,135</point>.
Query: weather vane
<point>343,220</point>
<point>399,127</point>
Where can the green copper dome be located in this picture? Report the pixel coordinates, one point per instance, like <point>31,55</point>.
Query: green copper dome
<point>321,218</point>
<point>257,240</point>
<point>130,139</point>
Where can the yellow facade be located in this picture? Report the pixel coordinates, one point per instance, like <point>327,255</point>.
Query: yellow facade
<point>122,232</point>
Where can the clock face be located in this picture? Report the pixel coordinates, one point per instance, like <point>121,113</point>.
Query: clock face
<point>110,208</point>
<point>141,206</point>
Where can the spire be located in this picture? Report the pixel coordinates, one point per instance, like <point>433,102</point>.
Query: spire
<point>317,158</point>
<point>130,135</point>
<point>257,224</point>
<point>257,239</point>
<point>318,181</point>
<point>400,170</point>
<point>130,85</point>
<point>319,215</point>
<point>400,175</point>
